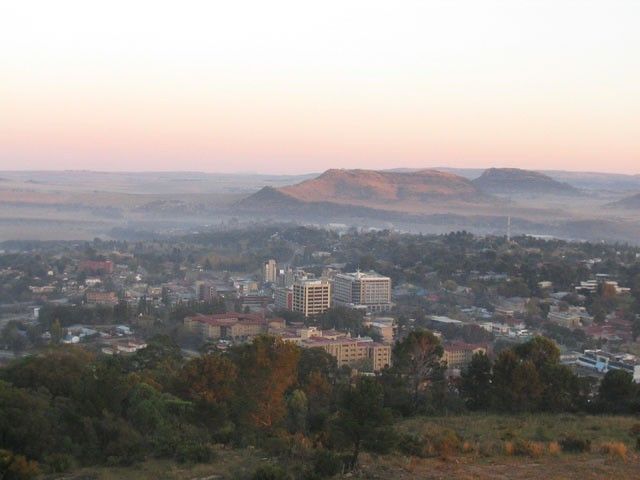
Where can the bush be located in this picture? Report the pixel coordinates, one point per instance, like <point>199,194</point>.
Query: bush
<point>194,453</point>
<point>615,449</point>
<point>411,445</point>
<point>327,464</point>
<point>554,448</point>
<point>270,472</point>
<point>490,448</point>
<point>59,462</point>
<point>447,443</point>
<point>532,449</point>
<point>276,446</point>
<point>571,444</point>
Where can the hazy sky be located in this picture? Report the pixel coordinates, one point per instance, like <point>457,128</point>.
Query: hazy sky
<point>296,86</point>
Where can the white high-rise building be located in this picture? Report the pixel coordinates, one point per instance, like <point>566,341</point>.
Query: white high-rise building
<point>363,290</point>
<point>270,271</point>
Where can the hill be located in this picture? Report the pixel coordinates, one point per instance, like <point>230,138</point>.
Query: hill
<point>631,203</point>
<point>514,181</point>
<point>370,189</point>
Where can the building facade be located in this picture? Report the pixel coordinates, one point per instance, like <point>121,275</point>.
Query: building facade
<point>363,290</point>
<point>270,271</point>
<point>311,297</point>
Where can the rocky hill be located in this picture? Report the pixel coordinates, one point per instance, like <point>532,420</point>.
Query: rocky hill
<point>514,181</point>
<point>370,189</point>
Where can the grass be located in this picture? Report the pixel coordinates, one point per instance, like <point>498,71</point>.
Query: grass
<point>535,428</point>
<point>468,447</point>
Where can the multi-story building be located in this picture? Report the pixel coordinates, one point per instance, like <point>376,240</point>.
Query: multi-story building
<point>96,266</point>
<point>367,290</point>
<point>601,361</point>
<point>205,291</point>
<point>232,326</point>
<point>102,298</point>
<point>350,351</point>
<point>459,354</point>
<point>270,271</point>
<point>283,298</point>
<point>311,297</point>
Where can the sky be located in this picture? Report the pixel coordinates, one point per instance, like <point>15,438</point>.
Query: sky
<point>292,86</point>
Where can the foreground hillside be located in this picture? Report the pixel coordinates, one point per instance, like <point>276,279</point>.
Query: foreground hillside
<point>485,449</point>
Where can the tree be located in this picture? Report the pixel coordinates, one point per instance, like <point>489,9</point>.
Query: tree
<point>539,350</point>
<point>361,415</point>
<point>56,332</point>
<point>297,410</point>
<point>210,381</point>
<point>617,391</point>
<point>266,369</point>
<point>17,467</point>
<point>516,382</point>
<point>475,386</point>
<point>418,358</point>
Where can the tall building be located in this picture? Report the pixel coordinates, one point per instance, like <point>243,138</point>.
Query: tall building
<point>283,298</point>
<point>270,271</point>
<point>311,297</point>
<point>363,290</point>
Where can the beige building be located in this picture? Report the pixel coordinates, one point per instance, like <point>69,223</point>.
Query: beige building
<point>363,290</point>
<point>311,297</point>
<point>270,271</point>
<point>350,351</point>
<point>459,354</point>
<point>232,326</point>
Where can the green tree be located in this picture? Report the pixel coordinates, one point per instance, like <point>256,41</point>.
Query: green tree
<point>56,332</point>
<point>617,391</point>
<point>475,384</point>
<point>362,418</point>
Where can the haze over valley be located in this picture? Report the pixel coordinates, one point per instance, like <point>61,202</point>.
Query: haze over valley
<point>80,205</point>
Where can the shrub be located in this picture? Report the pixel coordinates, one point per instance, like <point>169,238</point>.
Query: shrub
<point>615,449</point>
<point>17,467</point>
<point>509,448</point>
<point>554,448</point>
<point>490,448</point>
<point>270,472</point>
<point>276,446</point>
<point>532,449</point>
<point>327,464</point>
<point>468,447</point>
<point>194,453</point>
<point>524,447</point>
<point>412,445</point>
<point>447,443</point>
<point>571,444</point>
<point>59,462</point>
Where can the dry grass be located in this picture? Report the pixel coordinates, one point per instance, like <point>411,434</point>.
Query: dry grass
<point>554,448</point>
<point>614,449</point>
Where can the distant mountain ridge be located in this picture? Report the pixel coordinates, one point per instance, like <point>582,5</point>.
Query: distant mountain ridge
<point>371,189</point>
<point>631,202</point>
<point>514,181</point>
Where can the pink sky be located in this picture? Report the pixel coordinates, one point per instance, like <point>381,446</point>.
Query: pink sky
<point>284,87</point>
